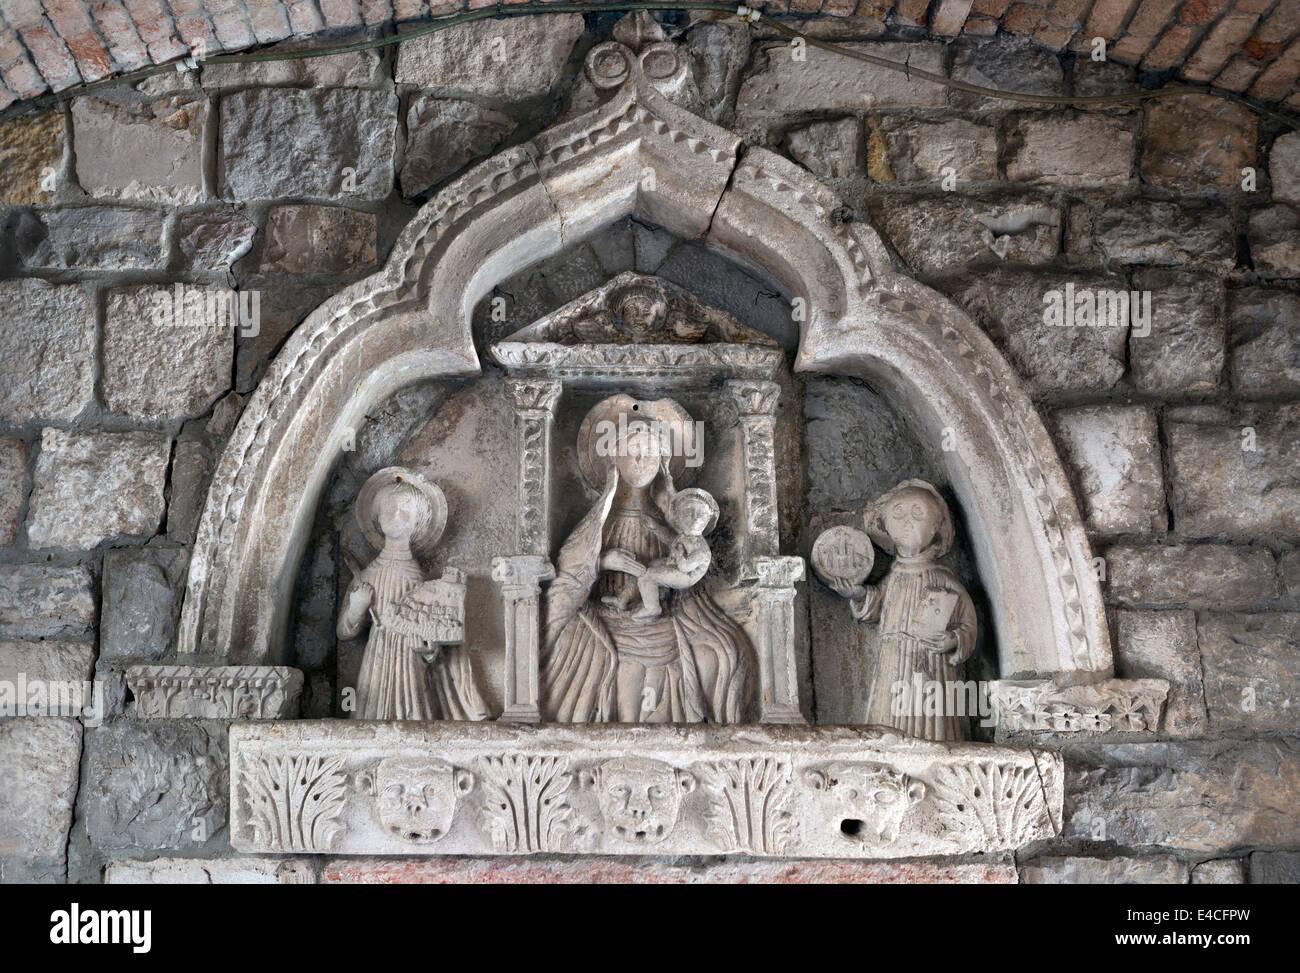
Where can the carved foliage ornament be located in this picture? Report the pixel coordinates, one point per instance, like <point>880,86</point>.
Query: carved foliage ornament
<point>295,803</point>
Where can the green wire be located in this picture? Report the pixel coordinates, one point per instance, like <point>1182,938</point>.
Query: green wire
<point>41,101</point>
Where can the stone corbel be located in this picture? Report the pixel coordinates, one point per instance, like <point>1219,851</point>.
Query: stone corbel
<point>778,679</point>
<point>1042,706</point>
<point>215,692</point>
<point>755,403</point>
<point>520,578</point>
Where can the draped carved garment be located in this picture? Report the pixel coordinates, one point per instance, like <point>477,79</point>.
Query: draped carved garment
<point>905,669</point>
<point>395,682</point>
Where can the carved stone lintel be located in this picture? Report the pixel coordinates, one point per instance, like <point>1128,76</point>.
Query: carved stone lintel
<point>1042,706</point>
<point>520,578</point>
<point>504,789</point>
<point>756,406</point>
<point>778,681</point>
<point>215,692</point>
<point>534,401</point>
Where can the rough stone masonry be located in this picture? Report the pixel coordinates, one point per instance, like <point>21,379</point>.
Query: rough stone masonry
<point>289,180</point>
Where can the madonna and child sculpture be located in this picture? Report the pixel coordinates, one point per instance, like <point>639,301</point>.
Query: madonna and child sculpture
<point>675,657</point>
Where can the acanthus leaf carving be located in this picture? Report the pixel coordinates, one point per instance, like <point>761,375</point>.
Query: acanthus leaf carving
<point>525,805</point>
<point>749,804</point>
<point>1004,804</point>
<point>294,803</point>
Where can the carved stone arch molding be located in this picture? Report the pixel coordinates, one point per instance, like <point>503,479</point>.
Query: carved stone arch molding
<point>636,150</point>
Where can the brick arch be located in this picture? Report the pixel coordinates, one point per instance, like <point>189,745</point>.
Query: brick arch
<point>52,45</point>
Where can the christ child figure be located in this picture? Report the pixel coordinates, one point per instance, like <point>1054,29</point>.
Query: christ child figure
<point>691,513</point>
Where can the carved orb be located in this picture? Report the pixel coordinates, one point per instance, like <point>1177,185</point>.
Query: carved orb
<point>416,797</point>
<point>843,556</point>
<point>868,801</point>
<point>640,799</point>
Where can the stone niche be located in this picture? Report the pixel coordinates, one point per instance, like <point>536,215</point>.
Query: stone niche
<point>651,567</point>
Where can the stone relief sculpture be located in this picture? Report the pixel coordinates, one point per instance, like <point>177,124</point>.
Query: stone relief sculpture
<point>294,803</point>
<point>998,802</point>
<point>412,668</point>
<point>749,805</point>
<point>867,802</point>
<point>640,798</point>
<point>926,618</point>
<point>415,797</point>
<point>602,662</point>
<point>525,804</point>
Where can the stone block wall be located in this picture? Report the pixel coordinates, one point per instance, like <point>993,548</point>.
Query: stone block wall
<point>287,180</point>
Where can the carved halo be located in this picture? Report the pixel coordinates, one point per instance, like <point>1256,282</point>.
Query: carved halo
<point>874,519</point>
<point>423,541</point>
<point>704,497</point>
<point>595,467</point>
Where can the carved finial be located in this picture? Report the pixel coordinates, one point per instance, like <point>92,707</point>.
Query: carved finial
<point>638,29</point>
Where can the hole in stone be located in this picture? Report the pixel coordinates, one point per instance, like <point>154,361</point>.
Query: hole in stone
<point>851,827</point>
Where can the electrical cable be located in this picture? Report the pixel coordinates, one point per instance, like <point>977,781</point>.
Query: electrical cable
<point>131,77</point>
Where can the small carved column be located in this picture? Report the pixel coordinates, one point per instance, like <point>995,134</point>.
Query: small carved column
<point>778,680</point>
<point>520,578</point>
<point>756,404</point>
<point>534,415</point>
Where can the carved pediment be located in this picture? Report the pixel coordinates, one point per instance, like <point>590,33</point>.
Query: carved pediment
<point>637,326</point>
<point>638,309</point>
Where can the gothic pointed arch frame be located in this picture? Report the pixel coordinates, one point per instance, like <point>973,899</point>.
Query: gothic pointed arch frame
<point>412,321</point>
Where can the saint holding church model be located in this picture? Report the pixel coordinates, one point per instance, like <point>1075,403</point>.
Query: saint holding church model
<point>413,667</point>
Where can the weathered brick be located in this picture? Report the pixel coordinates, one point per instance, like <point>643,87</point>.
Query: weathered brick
<point>269,21</point>
<point>1219,44</point>
<point>340,13</point>
<point>70,20</point>
<point>1023,19</point>
<point>911,12</point>
<point>232,30</point>
<point>125,46</point>
<point>51,56</point>
<point>152,22</point>
<point>1105,18</point>
<point>1280,75</point>
<point>949,16</point>
<point>1142,29</point>
<point>1238,74</point>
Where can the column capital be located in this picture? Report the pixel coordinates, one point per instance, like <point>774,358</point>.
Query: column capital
<point>534,394</point>
<point>778,571</point>
<point>525,571</point>
<point>754,397</point>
